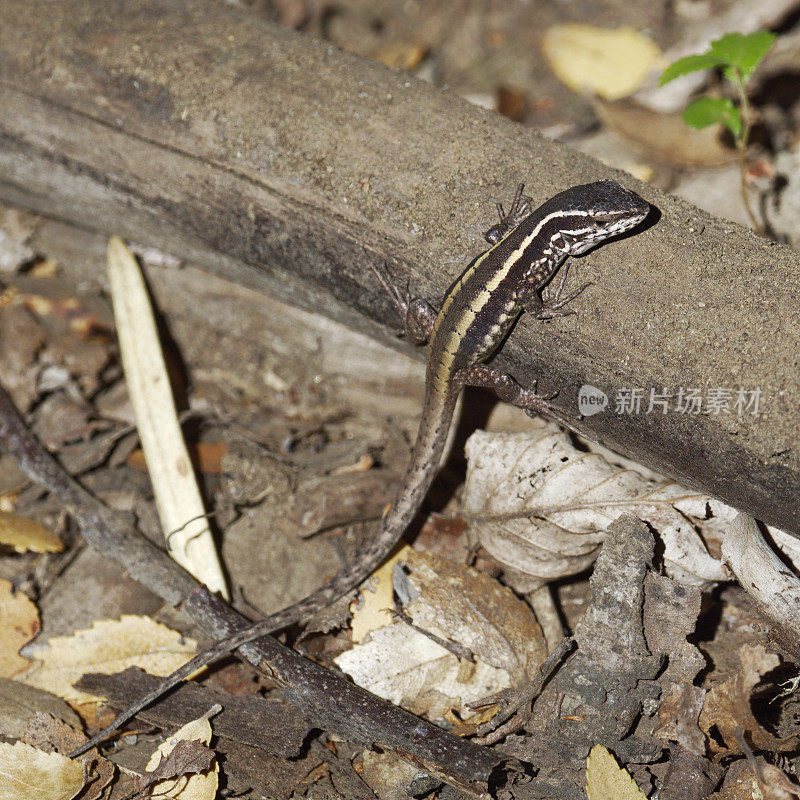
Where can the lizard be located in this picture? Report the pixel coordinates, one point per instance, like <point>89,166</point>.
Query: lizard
<point>480,307</point>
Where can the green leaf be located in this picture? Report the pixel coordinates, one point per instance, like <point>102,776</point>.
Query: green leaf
<point>683,66</point>
<point>744,52</point>
<point>707,111</point>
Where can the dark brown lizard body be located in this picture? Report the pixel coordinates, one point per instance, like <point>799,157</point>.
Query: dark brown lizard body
<point>476,315</point>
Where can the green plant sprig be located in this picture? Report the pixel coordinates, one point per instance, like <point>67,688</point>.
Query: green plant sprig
<point>737,55</point>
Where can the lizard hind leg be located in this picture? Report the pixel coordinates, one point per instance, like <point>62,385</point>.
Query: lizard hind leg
<point>509,391</point>
<point>419,321</point>
<point>505,387</point>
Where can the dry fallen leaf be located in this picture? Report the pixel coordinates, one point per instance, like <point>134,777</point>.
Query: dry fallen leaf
<point>665,138</point>
<point>46,268</point>
<point>541,506</point>
<point>25,535</point>
<point>372,608</point>
<point>776,785</point>
<point>457,604</point>
<point>30,774</point>
<point>19,623</point>
<point>191,786</point>
<point>47,733</point>
<point>109,646</point>
<point>405,55</point>
<point>470,607</point>
<point>739,784</point>
<point>612,63</point>
<point>407,668</point>
<point>727,706</point>
<point>188,757</point>
<point>678,715</point>
<point>606,780</point>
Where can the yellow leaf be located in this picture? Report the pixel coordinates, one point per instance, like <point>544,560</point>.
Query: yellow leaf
<point>371,610</point>
<point>30,774</point>
<point>26,535</point>
<point>611,63</point>
<point>19,623</point>
<point>606,780</point>
<point>109,646</point>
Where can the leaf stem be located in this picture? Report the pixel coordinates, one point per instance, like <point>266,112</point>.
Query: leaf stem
<point>742,140</point>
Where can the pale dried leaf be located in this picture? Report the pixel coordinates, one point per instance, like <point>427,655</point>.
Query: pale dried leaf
<point>19,623</point>
<point>739,784</point>
<point>46,268</point>
<point>101,773</point>
<point>612,63</point>
<point>407,668</point>
<point>541,506</point>
<point>25,535</point>
<point>460,605</point>
<point>192,786</point>
<point>109,646</point>
<point>679,714</point>
<point>30,774</point>
<point>188,757</point>
<point>606,780</point>
<point>665,137</point>
<point>48,733</point>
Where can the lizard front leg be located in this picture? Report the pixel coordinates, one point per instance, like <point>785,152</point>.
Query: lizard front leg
<point>551,307</point>
<point>520,208</point>
<point>418,315</point>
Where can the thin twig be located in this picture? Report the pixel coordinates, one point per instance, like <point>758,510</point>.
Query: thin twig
<point>509,720</point>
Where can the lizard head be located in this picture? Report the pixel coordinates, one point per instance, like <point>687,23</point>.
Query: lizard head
<point>599,211</point>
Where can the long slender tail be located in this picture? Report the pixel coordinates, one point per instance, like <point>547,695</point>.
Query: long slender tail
<point>419,474</point>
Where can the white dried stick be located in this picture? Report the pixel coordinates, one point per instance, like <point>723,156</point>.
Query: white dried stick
<point>180,507</point>
<point>773,585</point>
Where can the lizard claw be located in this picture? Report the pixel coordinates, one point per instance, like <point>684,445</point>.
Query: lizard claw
<point>555,307</point>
